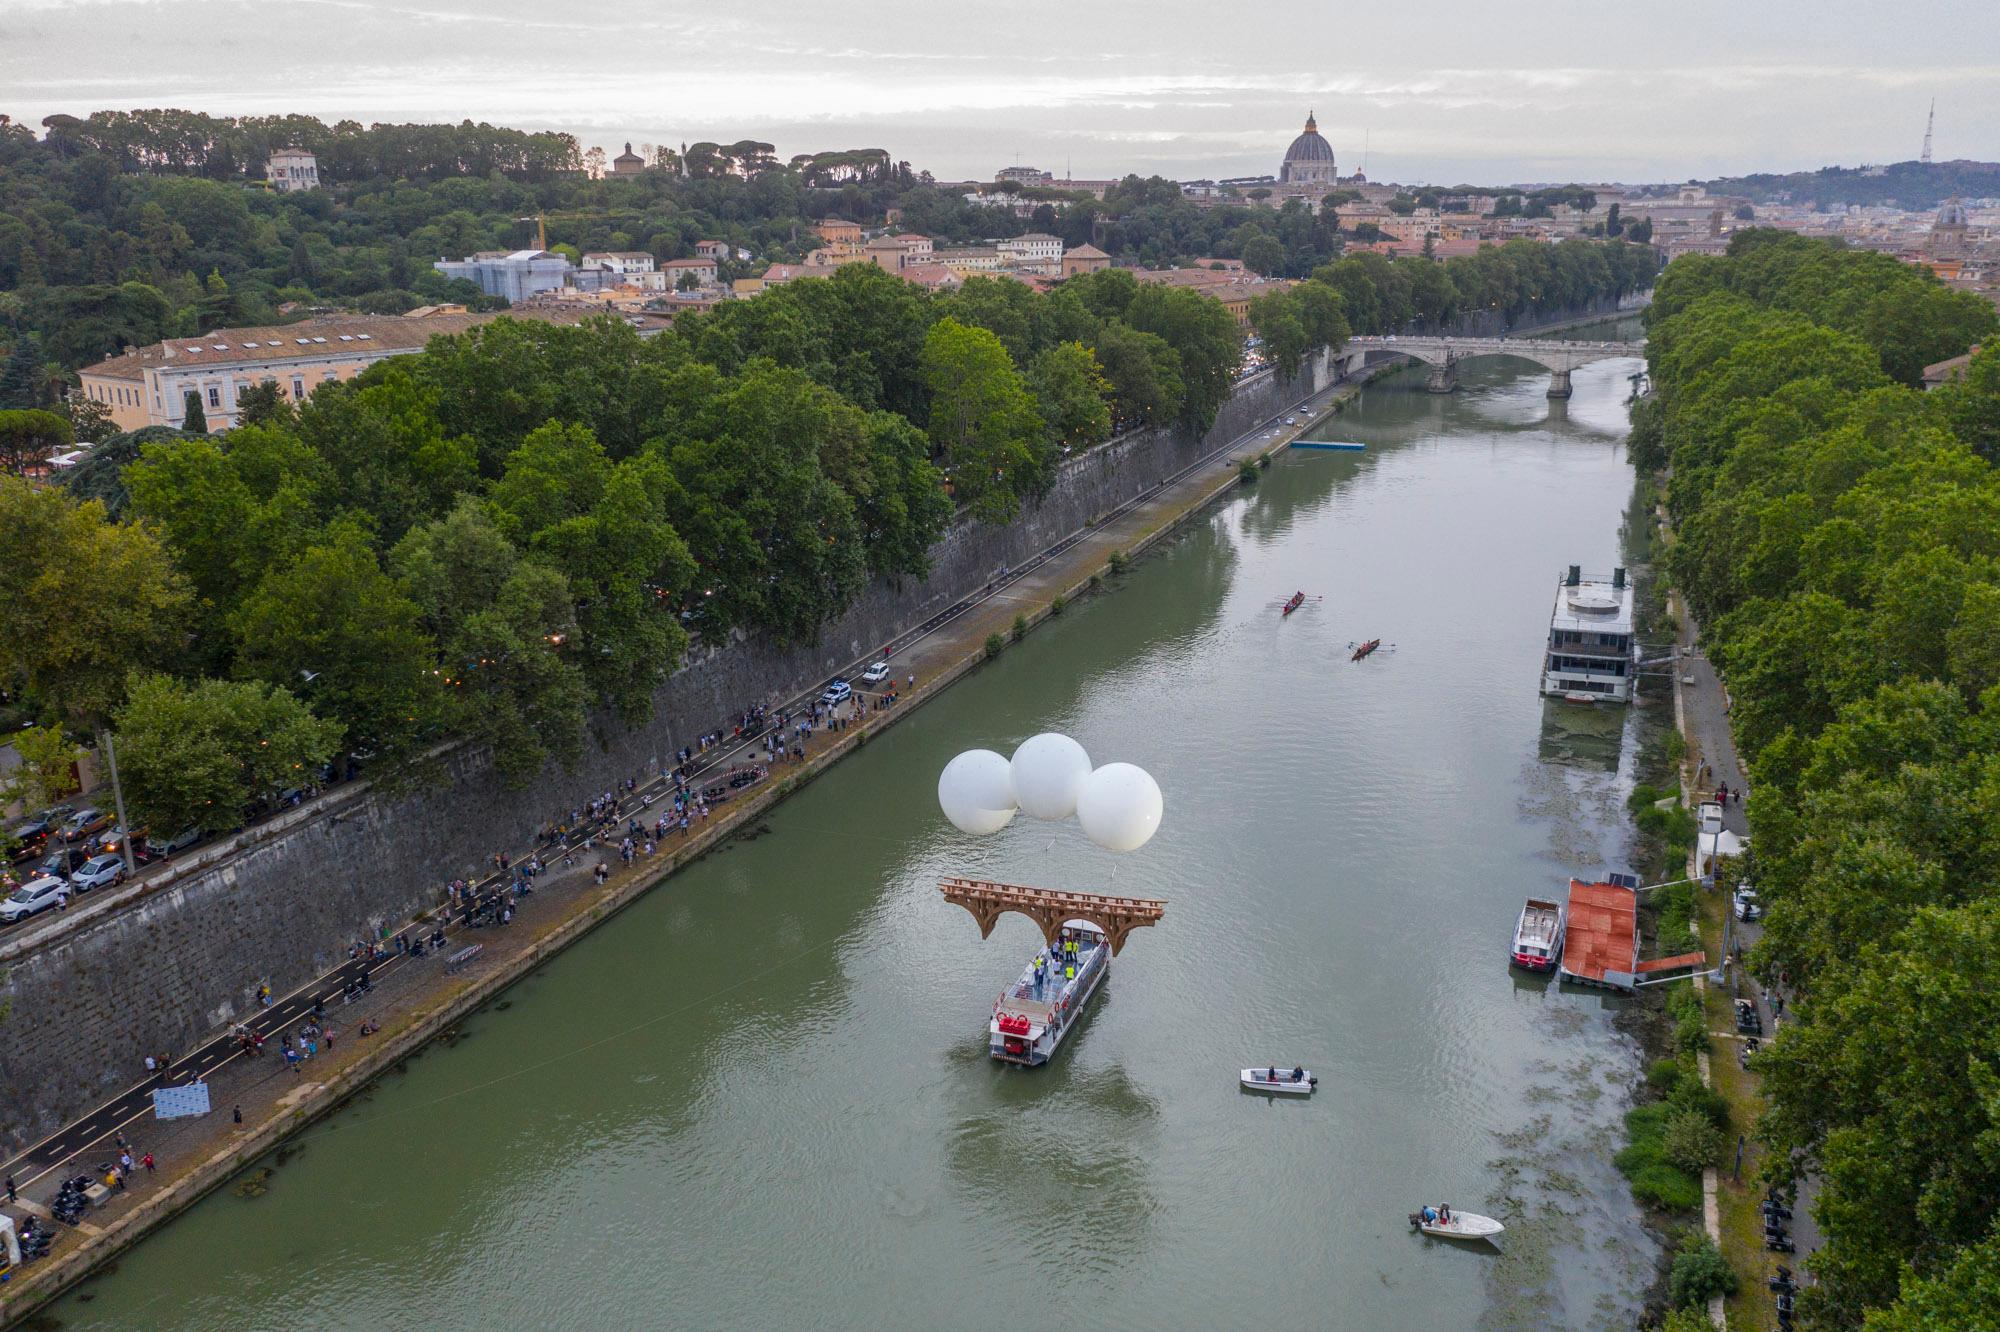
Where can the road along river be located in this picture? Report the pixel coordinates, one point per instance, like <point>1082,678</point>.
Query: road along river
<point>760,1097</point>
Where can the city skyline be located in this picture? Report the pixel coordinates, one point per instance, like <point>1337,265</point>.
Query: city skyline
<point>1560,92</point>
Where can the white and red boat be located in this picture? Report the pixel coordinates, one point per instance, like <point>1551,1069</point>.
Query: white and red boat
<point>1538,937</point>
<point>1035,1014</point>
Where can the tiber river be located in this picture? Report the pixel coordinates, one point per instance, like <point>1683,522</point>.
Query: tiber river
<point>760,1099</point>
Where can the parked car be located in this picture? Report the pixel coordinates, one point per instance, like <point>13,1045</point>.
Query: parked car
<point>1747,906</point>
<point>32,833</point>
<point>180,841</point>
<point>98,872</point>
<point>875,674</point>
<point>837,692</point>
<point>32,896</point>
<point>112,842</point>
<point>62,862</point>
<point>83,823</point>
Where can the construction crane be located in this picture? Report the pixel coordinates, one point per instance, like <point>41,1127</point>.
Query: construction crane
<point>1929,122</point>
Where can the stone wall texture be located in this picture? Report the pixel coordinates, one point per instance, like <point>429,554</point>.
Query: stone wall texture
<point>280,903</point>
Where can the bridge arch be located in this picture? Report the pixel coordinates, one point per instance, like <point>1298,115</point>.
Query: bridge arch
<point>1443,355</point>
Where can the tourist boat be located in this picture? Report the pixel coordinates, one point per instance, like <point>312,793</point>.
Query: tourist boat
<point>1298,600</point>
<point>1365,649</point>
<point>1035,1015</point>
<point>1538,937</point>
<point>1260,1079</point>
<point>1592,653</point>
<point>1462,1226</point>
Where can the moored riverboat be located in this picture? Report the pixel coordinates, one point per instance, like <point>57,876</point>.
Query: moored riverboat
<point>1592,652</point>
<point>1037,1013</point>
<point>1538,936</point>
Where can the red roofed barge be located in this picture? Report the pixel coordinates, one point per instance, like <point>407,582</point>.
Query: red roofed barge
<point>1602,939</point>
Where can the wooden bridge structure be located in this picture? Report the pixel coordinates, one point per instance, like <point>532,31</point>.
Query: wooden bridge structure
<point>1050,907</point>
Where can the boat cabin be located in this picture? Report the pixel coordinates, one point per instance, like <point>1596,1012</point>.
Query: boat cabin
<point>1034,1014</point>
<point>1538,937</point>
<point>1592,652</point>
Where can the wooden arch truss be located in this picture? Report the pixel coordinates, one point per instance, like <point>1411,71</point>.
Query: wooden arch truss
<point>1050,907</point>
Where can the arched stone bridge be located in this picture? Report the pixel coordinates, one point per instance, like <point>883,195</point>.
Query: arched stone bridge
<point>1444,354</point>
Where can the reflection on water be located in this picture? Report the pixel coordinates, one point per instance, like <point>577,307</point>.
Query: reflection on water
<point>759,1097</point>
<point>1582,737</point>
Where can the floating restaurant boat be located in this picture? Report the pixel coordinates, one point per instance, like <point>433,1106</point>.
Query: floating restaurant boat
<point>1592,653</point>
<point>1279,1081</point>
<point>1332,445</point>
<point>1038,1012</point>
<point>1298,600</point>
<point>1538,938</point>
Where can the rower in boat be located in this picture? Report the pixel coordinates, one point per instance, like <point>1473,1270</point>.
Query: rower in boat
<point>1298,600</point>
<point>1365,649</point>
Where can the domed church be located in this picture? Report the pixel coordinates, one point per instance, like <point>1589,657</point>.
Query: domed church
<point>1309,161</point>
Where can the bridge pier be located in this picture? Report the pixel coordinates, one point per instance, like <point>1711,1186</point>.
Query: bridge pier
<point>1559,384</point>
<point>1443,377</point>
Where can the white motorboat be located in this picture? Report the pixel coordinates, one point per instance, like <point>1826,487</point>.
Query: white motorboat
<point>1284,1084</point>
<point>1462,1226</point>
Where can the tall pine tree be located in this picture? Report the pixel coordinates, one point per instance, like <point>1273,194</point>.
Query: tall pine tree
<point>196,421</point>
<point>20,384</point>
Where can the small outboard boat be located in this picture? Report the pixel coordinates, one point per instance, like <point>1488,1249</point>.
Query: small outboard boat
<point>1461,1226</point>
<point>1284,1084</point>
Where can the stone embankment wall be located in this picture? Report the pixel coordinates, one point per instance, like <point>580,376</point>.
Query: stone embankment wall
<point>280,903</point>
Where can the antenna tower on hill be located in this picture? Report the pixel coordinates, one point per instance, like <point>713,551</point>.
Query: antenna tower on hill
<point>1929,121</point>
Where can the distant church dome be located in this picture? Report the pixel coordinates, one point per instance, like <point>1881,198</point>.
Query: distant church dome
<point>1951,215</point>
<point>1310,158</point>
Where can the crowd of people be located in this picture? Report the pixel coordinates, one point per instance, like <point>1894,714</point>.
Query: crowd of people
<point>618,821</point>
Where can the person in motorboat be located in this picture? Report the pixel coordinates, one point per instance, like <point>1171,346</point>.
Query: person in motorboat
<point>1430,1215</point>
<point>1271,1073</point>
<point>1444,1214</point>
<point>1299,1073</point>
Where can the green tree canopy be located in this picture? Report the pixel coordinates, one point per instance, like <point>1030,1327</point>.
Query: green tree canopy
<point>983,421</point>
<point>197,753</point>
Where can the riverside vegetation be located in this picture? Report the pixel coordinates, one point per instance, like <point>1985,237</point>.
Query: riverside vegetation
<point>1839,539</point>
<point>527,522</point>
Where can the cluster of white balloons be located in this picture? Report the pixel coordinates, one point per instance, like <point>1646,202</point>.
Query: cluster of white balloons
<point>1119,804</point>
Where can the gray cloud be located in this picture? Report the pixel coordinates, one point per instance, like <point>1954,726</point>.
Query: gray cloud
<point>1539,89</point>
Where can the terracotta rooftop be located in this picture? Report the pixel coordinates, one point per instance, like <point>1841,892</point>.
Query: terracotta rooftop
<point>1602,932</point>
<point>325,336</point>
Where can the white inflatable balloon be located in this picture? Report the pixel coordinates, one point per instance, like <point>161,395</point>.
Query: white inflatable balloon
<point>1049,772</point>
<point>976,791</point>
<point>1120,807</point>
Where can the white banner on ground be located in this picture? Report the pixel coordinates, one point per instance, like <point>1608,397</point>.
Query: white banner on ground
<point>180,1102</point>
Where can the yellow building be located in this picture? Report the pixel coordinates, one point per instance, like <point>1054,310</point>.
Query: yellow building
<point>1084,259</point>
<point>149,385</point>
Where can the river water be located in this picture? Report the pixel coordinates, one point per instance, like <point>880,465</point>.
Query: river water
<point>760,1097</point>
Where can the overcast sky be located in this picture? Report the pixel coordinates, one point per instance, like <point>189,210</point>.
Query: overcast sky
<point>1441,91</point>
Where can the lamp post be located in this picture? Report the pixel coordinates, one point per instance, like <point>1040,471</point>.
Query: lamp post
<point>118,803</point>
